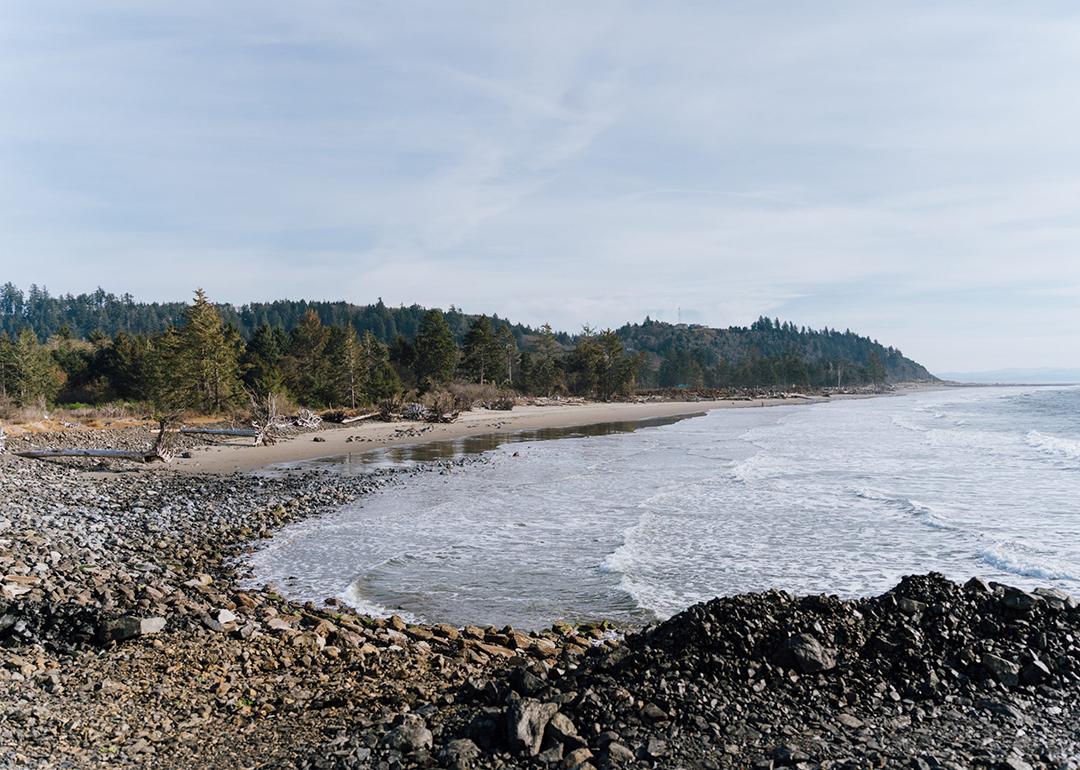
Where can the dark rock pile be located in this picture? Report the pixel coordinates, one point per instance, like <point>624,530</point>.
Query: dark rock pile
<point>928,675</point>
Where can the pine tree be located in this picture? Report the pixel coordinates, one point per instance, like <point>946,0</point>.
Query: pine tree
<point>480,353</point>
<point>436,352</point>
<point>544,375</point>
<point>208,365</point>
<point>261,362</point>
<point>348,369</point>
<point>507,353</point>
<point>36,377</point>
<point>382,380</point>
<point>306,371</point>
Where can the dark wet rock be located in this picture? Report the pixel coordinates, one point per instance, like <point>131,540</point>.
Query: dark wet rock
<point>806,654</point>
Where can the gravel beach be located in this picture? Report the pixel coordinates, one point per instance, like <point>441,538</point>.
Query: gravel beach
<point>125,640</point>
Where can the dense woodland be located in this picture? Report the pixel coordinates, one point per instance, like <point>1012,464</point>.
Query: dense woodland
<point>98,348</point>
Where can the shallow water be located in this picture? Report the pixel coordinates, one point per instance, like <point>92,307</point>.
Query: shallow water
<point>843,497</point>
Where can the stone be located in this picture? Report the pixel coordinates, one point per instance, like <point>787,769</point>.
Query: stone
<point>151,625</point>
<point>562,729</point>
<point>459,750</point>
<point>656,748</point>
<point>619,754</point>
<point>806,654</point>
<point>849,720</point>
<point>577,758</point>
<point>654,713</point>
<point>1019,600</point>
<point>410,736</point>
<point>526,721</point>
<point>1004,671</point>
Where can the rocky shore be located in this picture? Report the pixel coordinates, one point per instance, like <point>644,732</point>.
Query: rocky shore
<point>126,639</point>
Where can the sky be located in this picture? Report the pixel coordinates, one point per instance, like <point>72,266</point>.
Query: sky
<point>910,171</point>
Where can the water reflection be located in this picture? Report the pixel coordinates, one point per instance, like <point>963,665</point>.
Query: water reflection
<point>366,460</point>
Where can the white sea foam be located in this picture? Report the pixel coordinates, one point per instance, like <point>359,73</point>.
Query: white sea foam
<point>836,498</point>
<point>1058,446</point>
<point>1017,559</point>
<point>354,597</point>
<point>923,513</point>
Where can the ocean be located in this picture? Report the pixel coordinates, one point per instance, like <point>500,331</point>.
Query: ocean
<point>634,525</point>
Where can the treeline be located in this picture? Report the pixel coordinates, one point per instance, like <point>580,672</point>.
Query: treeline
<point>204,364</point>
<point>769,352</point>
<point>94,348</point>
<point>101,314</point>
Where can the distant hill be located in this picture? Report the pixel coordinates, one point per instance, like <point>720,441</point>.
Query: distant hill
<point>768,351</point>
<point>1043,376</point>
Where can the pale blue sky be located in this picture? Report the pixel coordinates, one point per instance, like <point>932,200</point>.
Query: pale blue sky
<point>908,170</point>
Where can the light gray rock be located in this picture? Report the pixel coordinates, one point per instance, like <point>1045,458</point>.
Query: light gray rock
<point>526,722</point>
<point>410,736</point>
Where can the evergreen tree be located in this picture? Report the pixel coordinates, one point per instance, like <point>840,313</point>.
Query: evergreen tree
<point>261,361</point>
<point>480,353</point>
<point>381,379</point>
<point>436,352</point>
<point>544,375</point>
<point>507,353</point>
<point>306,371</point>
<point>7,365</point>
<point>208,364</point>
<point>36,376</point>
<point>348,370</point>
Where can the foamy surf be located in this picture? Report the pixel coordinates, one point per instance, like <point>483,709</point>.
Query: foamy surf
<point>1057,446</point>
<point>836,498</point>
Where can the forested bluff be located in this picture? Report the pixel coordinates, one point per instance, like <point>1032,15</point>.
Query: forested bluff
<point>99,348</point>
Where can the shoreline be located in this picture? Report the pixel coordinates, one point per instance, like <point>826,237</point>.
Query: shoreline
<point>335,440</point>
<point>127,637</point>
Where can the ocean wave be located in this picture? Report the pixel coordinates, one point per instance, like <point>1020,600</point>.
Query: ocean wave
<point>1018,559</point>
<point>760,466</point>
<point>353,597</point>
<point>1054,445</point>
<point>920,511</point>
<point>903,424</point>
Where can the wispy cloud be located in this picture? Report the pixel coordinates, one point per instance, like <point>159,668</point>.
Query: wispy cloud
<point>906,171</point>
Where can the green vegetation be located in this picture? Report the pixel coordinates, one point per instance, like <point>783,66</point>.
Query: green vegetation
<point>98,348</point>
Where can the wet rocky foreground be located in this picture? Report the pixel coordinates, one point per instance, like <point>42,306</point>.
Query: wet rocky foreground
<point>126,640</point>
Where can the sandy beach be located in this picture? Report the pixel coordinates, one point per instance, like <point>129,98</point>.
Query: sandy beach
<point>340,440</point>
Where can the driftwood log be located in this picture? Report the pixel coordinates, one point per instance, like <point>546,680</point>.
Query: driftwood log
<point>259,436</point>
<point>150,456</point>
<point>359,417</point>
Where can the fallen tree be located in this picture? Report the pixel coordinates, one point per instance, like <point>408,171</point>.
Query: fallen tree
<point>108,454</point>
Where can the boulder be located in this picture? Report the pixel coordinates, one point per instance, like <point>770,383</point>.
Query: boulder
<point>526,722</point>
<point>410,736</point>
<point>805,654</point>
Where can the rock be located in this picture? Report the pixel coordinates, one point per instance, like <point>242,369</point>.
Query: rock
<point>1005,671</point>
<point>653,712</point>
<point>319,440</point>
<point>526,722</point>
<point>151,625</point>
<point>656,748</point>
<point>806,654</point>
<point>562,730</point>
<point>460,751</point>
<point>128,627</point>
<point>577,758</point>
<point>410,736</point>
<point>619,754</point>
<point>849,720</point>
<point>1036,672</point>
<point>1013,762</point>
<point>1019,600</point>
